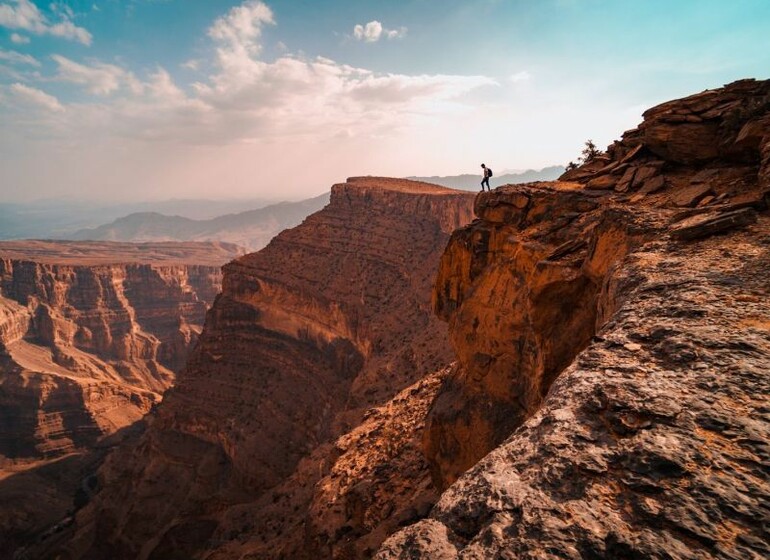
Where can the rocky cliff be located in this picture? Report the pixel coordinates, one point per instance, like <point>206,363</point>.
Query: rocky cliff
<point>331,319</point>
<point>86,349</point>
<point>613,340</point>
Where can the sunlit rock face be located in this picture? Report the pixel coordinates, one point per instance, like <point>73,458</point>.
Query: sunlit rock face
<point>613,341</point>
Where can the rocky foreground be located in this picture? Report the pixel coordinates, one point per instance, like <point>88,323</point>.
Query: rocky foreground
<point>608,399</point>
<point>91,335</point>
<point>612,395</point>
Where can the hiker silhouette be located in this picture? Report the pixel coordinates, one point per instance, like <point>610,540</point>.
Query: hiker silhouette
<point>485,180</point>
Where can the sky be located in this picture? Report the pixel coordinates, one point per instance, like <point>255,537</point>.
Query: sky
<point>128,100</point>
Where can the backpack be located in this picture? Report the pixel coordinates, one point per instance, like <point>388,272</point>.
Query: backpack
<point>489,169</point>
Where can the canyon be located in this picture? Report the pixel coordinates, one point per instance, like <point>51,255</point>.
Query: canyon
<point>310,338</point>
<point>570,369</point>
<point>91,335</point>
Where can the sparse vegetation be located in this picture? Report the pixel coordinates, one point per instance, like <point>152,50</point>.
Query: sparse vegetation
<point>590,151</point>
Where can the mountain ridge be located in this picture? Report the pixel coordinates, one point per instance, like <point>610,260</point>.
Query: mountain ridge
<point>471,182</point>
<point>251,229</point>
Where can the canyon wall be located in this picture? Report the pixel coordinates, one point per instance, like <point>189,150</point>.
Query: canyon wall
<point>331,319</point>
<point>87,349</point>
<point>613,343</point>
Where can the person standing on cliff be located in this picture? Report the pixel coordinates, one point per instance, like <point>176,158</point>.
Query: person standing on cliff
<point>485,180</point>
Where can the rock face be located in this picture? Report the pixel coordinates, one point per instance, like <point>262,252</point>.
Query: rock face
<point>613,353</point>
<point>86,349</point>
<point>521,300</point>
<point>330,319</point>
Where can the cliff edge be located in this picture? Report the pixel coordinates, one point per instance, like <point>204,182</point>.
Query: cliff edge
<point>613,342</point>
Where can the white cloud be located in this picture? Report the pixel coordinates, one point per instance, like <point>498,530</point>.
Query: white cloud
<point>371,32</point>
<point>248,98</point>
<point>35,97</point>
<point>241,27</point>
<point>19,39</point>
<point>18,58</point>
<point>399,33</point>
<point>192,64</point>
<point>520,77</point>
<point>374,31</point>
<point>244,111</point>
<point>99,78</point>
<point>24,15</point>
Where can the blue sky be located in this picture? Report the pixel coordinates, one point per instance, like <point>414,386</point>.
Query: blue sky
<point>139,99</point>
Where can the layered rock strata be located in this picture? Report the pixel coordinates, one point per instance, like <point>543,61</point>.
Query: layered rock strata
<point>85,351</point>
<point>330,319</point>
<point>612,369</point>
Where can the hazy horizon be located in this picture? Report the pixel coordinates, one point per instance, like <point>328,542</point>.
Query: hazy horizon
<point>154,100</point>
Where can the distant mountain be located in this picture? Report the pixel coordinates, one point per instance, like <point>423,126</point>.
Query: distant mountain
<point>252,229</point>
<point>60,218</point>
<point>470,182</point>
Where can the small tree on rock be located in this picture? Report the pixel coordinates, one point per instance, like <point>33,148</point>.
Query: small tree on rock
<point>590,151</point>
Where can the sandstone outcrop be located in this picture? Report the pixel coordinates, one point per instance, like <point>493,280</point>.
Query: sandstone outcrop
<point>86,349</point>
<point>332,318</point>
<point>613,353</point>
<point>521,300</point>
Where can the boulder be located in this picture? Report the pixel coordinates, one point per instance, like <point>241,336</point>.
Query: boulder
<point>704,226</point>
<point>626,180</point>
<point>602,182</point>
<point>653,185</point>
<point>686,143</point>
<point>691,195</point>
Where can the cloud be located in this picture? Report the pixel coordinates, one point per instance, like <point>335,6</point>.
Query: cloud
<point>23,14</point>
<point>520,77</point>
<point>35,97</point>
<point>14,57</point>
<point>399,33</point>
<point>374,31</point>
<point>241,27</point>
<point>192,64</point>
<point>99,78</point>
<point>247,98</point>
<point>19,39</point>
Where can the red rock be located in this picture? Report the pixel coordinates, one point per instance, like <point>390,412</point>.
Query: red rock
<point>586,378</point>
<point>632,154</point>
<point>753,133</point>
<point>692,195</point>
<point>653,185</point>
<point>88,344</point>
<point>703,226</point>
<point>603,182</point>
<point>626,180</point>
<point>332,318</point>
